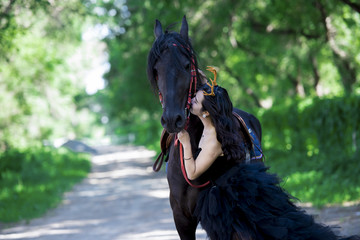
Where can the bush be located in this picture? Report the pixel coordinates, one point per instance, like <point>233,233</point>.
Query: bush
<point>34,180</point>
<point>313,144</point>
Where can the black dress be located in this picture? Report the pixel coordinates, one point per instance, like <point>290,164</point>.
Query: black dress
<point>246,200</point>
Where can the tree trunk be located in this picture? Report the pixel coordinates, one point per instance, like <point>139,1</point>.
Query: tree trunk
<point>354,6</point>
<point>342,61</point>
<point>315,70</point>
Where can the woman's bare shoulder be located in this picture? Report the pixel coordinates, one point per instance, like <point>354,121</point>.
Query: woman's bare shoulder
<point>212,146</point>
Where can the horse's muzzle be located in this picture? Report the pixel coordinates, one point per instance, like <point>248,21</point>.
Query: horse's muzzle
<point>173,123</point>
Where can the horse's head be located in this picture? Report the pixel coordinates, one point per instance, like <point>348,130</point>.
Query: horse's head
<point>170,64</point>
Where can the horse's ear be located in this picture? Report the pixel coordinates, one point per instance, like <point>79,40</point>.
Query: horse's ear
<point>184,29</point>
<point>158,29</point>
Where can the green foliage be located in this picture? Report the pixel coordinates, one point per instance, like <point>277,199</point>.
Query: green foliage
<point>314,144</point>
<point>41,73</point>
<point>34,180</point>
<point>41,80</point>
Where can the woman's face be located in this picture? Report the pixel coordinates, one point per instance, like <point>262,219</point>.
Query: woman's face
<point>196,104</point>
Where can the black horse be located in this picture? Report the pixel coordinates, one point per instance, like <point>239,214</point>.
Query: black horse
<point>172,68</point>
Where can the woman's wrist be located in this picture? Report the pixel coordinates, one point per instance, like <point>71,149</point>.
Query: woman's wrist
<point>187,152</point>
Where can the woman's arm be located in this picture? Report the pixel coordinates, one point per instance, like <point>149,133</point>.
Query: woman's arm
<point>210,151</point>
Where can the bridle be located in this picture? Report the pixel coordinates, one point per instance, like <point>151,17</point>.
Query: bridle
<point>193,83</point>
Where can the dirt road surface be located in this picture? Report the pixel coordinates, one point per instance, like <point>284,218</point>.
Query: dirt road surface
<point>123,199</point>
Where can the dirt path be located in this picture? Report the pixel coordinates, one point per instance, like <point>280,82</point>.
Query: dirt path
<point>124,199</point>
<point>346,218</point>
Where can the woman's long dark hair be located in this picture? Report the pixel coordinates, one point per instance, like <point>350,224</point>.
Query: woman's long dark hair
<point>227,129</point>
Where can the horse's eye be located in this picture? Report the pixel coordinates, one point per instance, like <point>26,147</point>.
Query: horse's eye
<point>187,66</point>
<point>155,74</point>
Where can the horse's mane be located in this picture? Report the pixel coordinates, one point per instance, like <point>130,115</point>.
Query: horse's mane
<point>167,41</point>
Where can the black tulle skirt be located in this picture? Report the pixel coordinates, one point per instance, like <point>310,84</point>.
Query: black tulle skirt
<point>248,201</point>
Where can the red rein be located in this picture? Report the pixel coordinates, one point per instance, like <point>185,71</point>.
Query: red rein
<point>184,171</point>
<point>192,82</point>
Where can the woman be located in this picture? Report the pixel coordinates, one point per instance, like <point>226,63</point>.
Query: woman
<point>243,201</point>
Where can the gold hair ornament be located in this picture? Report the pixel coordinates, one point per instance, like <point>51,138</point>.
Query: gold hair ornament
<point>213,82</point>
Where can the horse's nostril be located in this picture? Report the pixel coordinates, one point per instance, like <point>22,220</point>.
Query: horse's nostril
<point>174,123</point>
<point>163,122</point>
<point>179,121</point>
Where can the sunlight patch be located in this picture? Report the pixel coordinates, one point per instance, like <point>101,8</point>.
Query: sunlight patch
<point>158,193</point>
<point>135,154</point>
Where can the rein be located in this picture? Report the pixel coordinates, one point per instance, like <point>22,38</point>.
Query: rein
<point>193,81</point>
<point>184,171</point>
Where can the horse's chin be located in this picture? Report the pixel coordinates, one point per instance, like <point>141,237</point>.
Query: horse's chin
<point>174,130</point>
<point>170,128</point>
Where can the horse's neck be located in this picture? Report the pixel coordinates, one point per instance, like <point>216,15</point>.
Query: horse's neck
<point>195,130</point>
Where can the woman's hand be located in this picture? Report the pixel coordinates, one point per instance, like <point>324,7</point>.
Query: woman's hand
<point>184,137</point>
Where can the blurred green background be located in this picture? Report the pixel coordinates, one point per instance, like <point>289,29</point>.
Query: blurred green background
<point>76,69</point>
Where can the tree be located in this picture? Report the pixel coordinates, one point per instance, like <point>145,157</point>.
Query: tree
<point>38,79</point>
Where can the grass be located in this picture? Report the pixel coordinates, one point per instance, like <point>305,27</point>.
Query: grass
<point>320,180</point>
<point>313,144</point>
<point>32,181</point>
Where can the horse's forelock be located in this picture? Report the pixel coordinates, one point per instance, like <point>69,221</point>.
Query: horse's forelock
<point>166,41</point>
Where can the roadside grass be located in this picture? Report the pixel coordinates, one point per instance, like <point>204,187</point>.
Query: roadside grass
<point>313,144</point>
<point>33,180</point>
<point>317,180</point>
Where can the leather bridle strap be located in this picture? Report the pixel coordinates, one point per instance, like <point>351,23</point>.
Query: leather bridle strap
<point>188,104</point>
<point>193,81</point>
